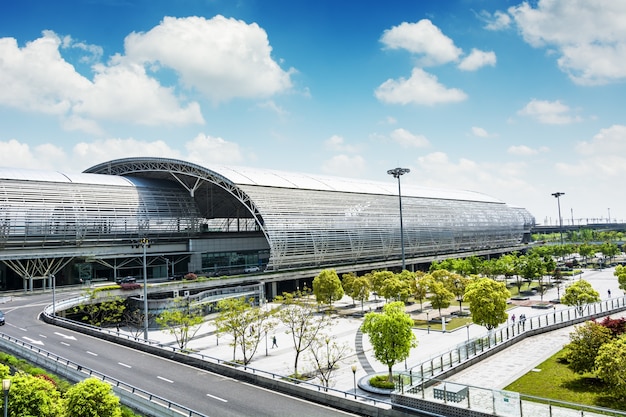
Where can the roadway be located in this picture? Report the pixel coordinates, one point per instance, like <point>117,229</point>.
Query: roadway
<point>202,391</point>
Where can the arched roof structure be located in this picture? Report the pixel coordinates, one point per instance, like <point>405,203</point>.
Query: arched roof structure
<point>313,221</point>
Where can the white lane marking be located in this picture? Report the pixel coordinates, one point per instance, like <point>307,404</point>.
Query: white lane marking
<point>43,335</point>
<point>65,344</point>
<point>92,353</point>
<point>64,336</point>
<point>165,379</point>
<point>33,341</point>
<point>217,398</point>
<point>125,365</point>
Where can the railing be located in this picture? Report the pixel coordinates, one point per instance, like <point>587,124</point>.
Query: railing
<point>136,397</point>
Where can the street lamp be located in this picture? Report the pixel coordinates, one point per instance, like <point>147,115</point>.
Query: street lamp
<point>557,195</point>
<point>6,386</point>
<point>54,306</point>
<point>144,243</point>
<point>354,379</point>
<point>397,173</point>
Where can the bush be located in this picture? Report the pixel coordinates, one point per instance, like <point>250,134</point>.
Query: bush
<point>191,276</point>
<point>380,381</point>
<point>130,286</point>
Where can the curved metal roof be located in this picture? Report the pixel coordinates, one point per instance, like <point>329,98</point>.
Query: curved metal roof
<point>237,175</point>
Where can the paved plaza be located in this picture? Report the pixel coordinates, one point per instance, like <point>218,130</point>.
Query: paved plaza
<point>495,372</point>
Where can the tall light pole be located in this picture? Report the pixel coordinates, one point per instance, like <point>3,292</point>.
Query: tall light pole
<point>557,195</point>
<point>54,304</point>
<point>144,243</point>
<point>6,386</point>
<point>397,173</point>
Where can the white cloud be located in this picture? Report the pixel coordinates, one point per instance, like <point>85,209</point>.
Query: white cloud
<point>592,53</point>
<point>337,143</point>
<point>98,151</point>
<point>273,107</point>
<point>523,150</point>
<point>408,140</point>
<point>36,78</point>
<point>205,149</point>
<point>422,38</point>
<point>221,57</point>
<point>477,59</point>
<point>345,166</point>
<point>480,132</point>
<point>421,88</point>
<point>46,156</point>
<point>549,112</point>
<point>498,21</point>
<point>609,141</point>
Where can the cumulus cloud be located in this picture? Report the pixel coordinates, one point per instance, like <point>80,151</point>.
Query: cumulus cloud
<point>420,88</point>
<point>549,112</point>
<point>45,156</point>
<point>592,54</point>
<point>609,141</point>
<point>209,149</point>
<point>407,139</point>
<point>221,57</point>
<point>345,166</point>
<point>422,38</point>
<point>477,59</point>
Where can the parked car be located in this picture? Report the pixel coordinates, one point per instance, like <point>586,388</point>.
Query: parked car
<point>126,280</point>
<point>252,269</point>
<point>2,320</point>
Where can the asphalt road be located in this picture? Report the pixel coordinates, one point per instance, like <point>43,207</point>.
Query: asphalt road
<point>202,391</point>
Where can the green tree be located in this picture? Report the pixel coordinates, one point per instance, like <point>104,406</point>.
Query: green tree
<point>378,278</point>
<point>91,398</point>
<point>99,311</point>
<point>33,396</point>
<point>611,366</point>
<point>361,288</point>
<point>420,287</point>
<point>487,299</point>
<point>395,288</point>
<point>181,321</point>
<point>583,347</point>
<point>347,281</point>
<point>391,334</point>
<point>620,273</point>
<point>302,322</point>
<point>327,287</point>
<point>440,297</point>
<point>579,294</point>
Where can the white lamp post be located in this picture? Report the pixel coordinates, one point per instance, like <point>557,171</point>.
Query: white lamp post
<point>6,386</point>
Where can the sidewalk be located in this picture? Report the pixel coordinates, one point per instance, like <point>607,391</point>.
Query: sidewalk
<point>495,372</point>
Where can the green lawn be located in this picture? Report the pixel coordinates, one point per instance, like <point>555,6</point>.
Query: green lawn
<point>556,381</point>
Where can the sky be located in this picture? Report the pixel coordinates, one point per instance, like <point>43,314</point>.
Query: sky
<point>516,100</point>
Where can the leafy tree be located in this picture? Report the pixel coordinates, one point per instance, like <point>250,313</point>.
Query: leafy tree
<point>620,273</point>
<point>420,287</point>
<point>440,297</point>
<point>487,299</point>
<point>327,287</point>
<point>302,322</point>
<point>134,321</point>
<point>33,396</point>
<point>579,294</point>
<point>326,354</point>
<point>100,313</point>
<point>245,322</point>
<point>91,398</point>
<point>583,347</point>
<point>181,322</point>
<point>616,326</point>
<point>586,250</point>
<point>530,267</point>
<point>395,288</point>
<point>361,289</point>
<point>611,366</point>
<point>377,279</point>
<point>391,334</point>
<point>609,250</point>
<point>347,281</point>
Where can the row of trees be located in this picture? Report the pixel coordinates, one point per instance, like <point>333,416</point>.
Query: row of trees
<point>582,235</point>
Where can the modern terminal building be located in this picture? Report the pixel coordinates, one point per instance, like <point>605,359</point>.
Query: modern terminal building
<point>169,217</point>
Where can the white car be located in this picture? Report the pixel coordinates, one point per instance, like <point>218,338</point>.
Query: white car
<point>252,269</point>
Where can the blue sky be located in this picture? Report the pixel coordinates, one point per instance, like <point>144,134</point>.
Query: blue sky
<point>516,100</point>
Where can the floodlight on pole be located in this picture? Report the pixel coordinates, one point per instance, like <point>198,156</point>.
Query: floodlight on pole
<point>558,195</point>
<point>397,173</point>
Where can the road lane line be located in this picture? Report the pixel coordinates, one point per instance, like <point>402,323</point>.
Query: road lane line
<point>92,353</point>
<point>123,364</point>
<point>165,379</point>
<point>65,343</point>
<point>217,398</point>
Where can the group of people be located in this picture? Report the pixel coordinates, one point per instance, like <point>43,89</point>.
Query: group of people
<point>522,320</point>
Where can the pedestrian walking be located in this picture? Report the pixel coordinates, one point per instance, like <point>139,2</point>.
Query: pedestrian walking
<point>274,344</point>
<point>513,318</point>
<point>522,320</point>
<point>609,291</point>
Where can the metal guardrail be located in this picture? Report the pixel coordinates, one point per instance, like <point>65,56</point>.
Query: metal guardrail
<point>134,397</point>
